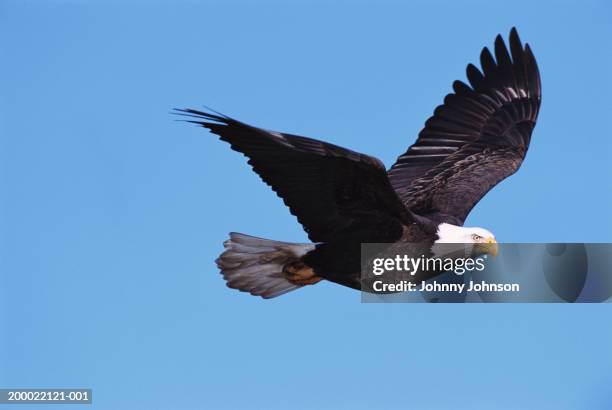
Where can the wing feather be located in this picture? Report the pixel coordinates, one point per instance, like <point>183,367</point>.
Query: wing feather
<point>478,137</point>
<point>334,192</point>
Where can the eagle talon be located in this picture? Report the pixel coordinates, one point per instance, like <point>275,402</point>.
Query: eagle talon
<point>300,274</point>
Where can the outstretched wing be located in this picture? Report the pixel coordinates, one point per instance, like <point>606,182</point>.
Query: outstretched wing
<point>335,193</point>
<point>478,137</point>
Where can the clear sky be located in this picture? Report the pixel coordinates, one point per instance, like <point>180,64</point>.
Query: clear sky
<point>111,213</point>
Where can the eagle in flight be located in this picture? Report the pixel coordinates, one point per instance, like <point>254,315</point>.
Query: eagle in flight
<point>343,198</point>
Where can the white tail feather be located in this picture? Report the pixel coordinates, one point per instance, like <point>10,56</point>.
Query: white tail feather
<point>255,265</point>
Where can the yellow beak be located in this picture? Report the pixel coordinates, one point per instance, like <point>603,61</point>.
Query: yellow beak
<point>492,247</point>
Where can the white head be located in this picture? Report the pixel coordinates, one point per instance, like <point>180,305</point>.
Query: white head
<point>448,233</point>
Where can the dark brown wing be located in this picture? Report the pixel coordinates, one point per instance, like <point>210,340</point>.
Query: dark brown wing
<point>478,137</point>
<point>335,193</point>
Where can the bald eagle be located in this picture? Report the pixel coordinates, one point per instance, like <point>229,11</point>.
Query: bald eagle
<point>342,198</point>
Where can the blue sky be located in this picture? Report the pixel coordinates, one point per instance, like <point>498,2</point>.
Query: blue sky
<point>111,213</point>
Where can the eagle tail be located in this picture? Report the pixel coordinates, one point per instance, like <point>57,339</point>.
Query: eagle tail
<point>260,266</point>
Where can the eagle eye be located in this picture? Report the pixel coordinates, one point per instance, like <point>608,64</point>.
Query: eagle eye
<point>476,237</point>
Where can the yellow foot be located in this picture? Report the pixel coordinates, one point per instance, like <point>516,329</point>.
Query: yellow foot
<point>300,274</point>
